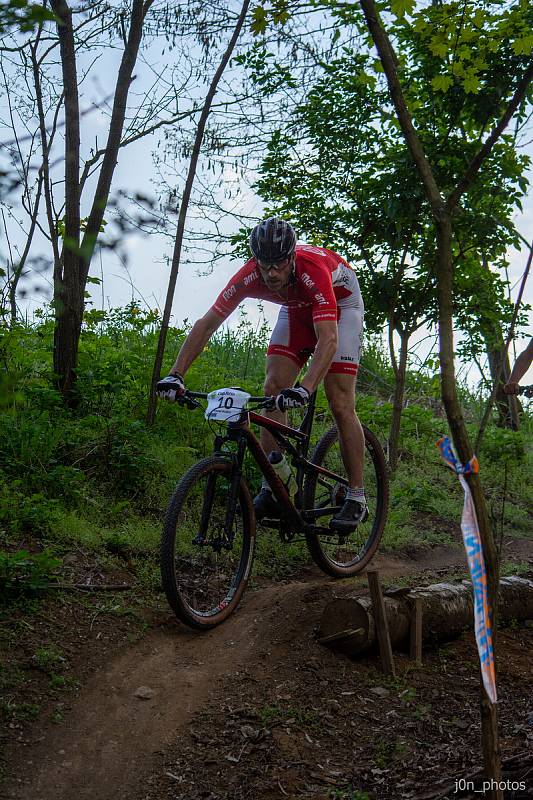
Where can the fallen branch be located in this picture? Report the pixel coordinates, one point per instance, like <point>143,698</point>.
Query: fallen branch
<point>88,587</point>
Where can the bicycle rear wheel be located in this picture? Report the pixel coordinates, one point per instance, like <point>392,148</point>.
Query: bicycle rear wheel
<point>341,555</point>
<point>205,565</point>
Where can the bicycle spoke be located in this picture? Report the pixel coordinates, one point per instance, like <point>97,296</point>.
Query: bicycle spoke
<point>341,554</point>
<point>204,564</point>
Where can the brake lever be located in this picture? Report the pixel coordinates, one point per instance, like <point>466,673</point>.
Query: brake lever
<point>188,402</point>
<point>269,405</point>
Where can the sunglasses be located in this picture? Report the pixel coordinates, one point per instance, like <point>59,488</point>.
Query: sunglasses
<point>277,266</point>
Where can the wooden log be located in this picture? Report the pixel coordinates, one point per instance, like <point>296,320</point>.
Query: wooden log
<point>447,610</point>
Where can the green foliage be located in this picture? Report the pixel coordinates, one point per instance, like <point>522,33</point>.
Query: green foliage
<point>347,794</point>
<point>24,572</point>
<point>275,11</point>
<point>21,512</point>
<point>98,478</point>
<point>351,185</point>
<point>503,445</point>
<point>49,660</point>
<point>23,15</point>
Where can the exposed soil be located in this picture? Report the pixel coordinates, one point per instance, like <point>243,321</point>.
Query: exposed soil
<point>256,708</point>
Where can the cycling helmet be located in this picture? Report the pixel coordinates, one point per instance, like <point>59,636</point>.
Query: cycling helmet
<point>272,240</point>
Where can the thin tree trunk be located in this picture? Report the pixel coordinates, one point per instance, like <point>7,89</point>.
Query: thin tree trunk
<point>116,126</point>
<point>488,410</point>
<point>442,212</point>
<point>46,143</point>
<point>19,269</point>
<point>489,711</point>
<point>500,369</point>
<point>184,205</point>
<point>70,297</point>
<point>66,290</point>
<point>397,407</point>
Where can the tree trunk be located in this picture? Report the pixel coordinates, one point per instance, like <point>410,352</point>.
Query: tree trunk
<point>184,206</point>
<point>442,211</point>
<point>397,408</point>
<point>69,289</point>
<point>447,610</point>
<point>489,710</point>
<point>500,369</point>
<point>488,410</point>
<point>66,286</point>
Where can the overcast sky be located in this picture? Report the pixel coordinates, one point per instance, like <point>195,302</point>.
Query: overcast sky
<point>145,278</point>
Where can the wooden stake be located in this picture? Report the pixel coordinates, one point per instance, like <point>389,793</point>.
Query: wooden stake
<point>382,628</point>
<point>416,630</point>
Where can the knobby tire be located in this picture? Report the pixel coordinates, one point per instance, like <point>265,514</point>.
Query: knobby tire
<point>345,556</point>
<point>204,586</point>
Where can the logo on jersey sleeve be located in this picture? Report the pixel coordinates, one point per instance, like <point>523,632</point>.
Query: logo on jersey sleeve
<point>230,291</point>
<point>253,276</point>
<point>311,285</point>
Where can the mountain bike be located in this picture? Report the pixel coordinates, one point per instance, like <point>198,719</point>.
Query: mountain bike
<point>208,540</point>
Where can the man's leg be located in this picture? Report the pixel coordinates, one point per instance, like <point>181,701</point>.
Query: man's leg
<point>340,391</point>
<point>281,372</point>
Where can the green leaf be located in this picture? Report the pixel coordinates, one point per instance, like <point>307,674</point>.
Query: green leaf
<point>259,20</point>
<point>471,83</point>
<point>441,83</point>
<point>90,279</point>
<point>523,46</point>
<point>378,66</point>
<point>438,48</point>
<point>402,7</point>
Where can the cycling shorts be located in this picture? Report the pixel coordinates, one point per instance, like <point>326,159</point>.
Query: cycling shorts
<point>294,336</point>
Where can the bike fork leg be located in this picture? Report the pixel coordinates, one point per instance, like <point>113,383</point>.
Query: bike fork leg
<point>207,507</point>
<point>233,494</point>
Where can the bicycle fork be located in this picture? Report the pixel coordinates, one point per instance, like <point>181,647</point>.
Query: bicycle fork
<point>225,539</point>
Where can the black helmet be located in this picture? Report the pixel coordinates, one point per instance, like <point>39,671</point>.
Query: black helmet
<point>272,240</point>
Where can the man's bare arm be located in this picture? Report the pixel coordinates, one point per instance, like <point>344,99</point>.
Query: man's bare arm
<point>201,332</point>
<point>326,346</point>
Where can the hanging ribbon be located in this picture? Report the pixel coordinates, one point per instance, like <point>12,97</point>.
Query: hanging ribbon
<point>476,564</point>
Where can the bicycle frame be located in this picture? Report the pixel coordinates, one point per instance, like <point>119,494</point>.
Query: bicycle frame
<point>299,520</point>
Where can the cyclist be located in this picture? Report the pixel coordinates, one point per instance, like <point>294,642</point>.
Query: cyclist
<point>321,316</point>
<point>521,366</point>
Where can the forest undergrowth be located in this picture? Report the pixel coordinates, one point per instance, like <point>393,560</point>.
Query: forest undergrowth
<point>97,478</point>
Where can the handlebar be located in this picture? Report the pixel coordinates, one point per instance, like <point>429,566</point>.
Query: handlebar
<point>190,400</point>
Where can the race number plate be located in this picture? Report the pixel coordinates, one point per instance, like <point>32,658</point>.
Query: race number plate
<point>226,405</point>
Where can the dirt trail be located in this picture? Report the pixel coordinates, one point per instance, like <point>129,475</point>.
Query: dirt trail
<point>110,737</point>
<point>110,734</point>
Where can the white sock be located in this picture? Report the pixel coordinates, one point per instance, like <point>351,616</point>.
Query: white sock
<point>356,494</point>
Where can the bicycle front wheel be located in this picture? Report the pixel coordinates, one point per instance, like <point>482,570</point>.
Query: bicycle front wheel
<point>206,556</point>
<point>345,555</point>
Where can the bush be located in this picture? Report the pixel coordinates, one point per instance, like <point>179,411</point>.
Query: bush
<point>24,572</point>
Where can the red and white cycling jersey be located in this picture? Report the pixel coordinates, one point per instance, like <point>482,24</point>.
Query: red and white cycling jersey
<point>323,287</point>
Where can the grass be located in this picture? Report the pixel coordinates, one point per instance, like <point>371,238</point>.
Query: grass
<point>272,715</point>
<point>98,480</point>
<point>49,660</point>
